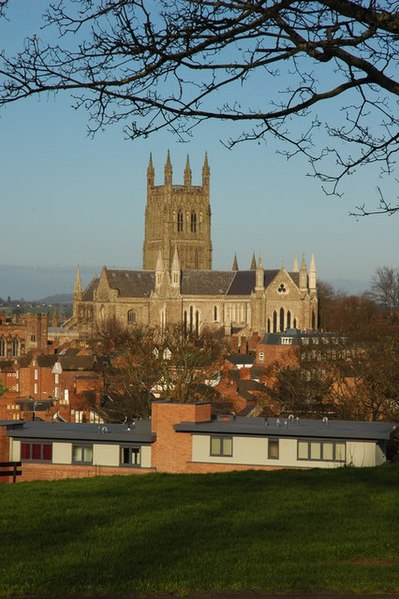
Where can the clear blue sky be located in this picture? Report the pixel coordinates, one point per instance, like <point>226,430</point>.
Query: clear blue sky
<point>69,199</point>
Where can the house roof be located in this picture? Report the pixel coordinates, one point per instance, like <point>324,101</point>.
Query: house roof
<point>245,359</point>
<point>286,427</point>
<point>139,432</point>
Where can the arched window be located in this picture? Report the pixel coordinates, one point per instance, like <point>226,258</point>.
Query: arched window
<point>313,320</point>
<point>281,319</point>
<point>294,323</point>
<point>196,322</point>
<point>274,321</point>
<point>185,322</point>
<point>2,347</point>
<point>180,220</point>
<point>15,348</point>
<point>193,222</point>
<point>131,317</point>
<point>268,325</point>
<point>191,319</point>
<point>288,319</point>
<point>215,313</point>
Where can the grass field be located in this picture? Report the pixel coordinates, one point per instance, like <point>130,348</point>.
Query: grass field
<point>284,530</point>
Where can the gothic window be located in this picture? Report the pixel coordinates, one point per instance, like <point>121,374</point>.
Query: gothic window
<point>281,319</point>
<point>15,347</point>
<point>196,322</point>
<point>2,347</point>
<point>288,319</point>
<point>282,288</point>
<point>81,312</point>
<point>180,220</point>
<point>268,325</point>
<point>191,319</point>
<point>185,322</point>
<point>193,222</point>
<point>294,323</point>
<point>215,313</point>
<point>131,317</point>
<point>274,321</point>
<point>313,320</point>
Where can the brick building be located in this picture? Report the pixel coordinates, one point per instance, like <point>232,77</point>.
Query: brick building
<point>22,333</point>
<point>186,438</point>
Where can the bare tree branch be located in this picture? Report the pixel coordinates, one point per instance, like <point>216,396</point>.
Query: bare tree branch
<point>176,63</point>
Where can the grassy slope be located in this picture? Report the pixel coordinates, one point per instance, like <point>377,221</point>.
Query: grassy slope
<point>281,530</point>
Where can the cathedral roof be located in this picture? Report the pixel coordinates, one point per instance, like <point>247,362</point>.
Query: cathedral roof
<point>132,283</point>
<point>89,291</point>
<point>206,282</point>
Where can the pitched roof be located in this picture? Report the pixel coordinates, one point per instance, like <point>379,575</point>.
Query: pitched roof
<point>132,283</point>
<point>88,294</point>
<point>206,282</point>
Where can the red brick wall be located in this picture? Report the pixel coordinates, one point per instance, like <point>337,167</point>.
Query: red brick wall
<point>172,451</point>
<point>32,471</point>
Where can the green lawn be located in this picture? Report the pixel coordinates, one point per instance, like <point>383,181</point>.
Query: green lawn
<point>283,530</point>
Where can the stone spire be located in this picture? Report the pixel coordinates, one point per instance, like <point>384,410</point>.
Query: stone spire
<point>150,173</point>
<point>168,171</point>
<point>253,262</point>
<point>187,173</point>
<point>77,290</point>
<point>312,274</point>
<point>235,263</point>
<point>260,276</point>
<point>175,270</point>
<point>206,172</point>
<point>303,275</point>
<point>295,268</point>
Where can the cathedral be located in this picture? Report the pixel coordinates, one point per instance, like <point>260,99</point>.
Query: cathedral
<point>177,283</point>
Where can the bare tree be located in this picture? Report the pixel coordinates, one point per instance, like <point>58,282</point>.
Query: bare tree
<point>175,63</point>
<point>385,289</point>
<point>145,363</point>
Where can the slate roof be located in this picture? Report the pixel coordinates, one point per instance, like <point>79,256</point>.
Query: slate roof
<point>206,282</point>
<point>140,283</point>
<point>240,359</point>
<point>132,283</point>
<point>275,427</point>
<point>88,294</point>
<point>100,433</point>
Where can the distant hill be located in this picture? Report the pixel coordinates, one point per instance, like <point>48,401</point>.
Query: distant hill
<point>59,298</point>
<point>31,283</point>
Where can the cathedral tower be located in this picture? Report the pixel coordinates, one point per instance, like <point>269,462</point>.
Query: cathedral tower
<point>178,217</point>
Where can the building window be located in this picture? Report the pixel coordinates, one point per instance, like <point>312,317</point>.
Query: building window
<point>35,388</point>
<point>56,378</point>
<point>215,313</point>
<point>131,317</point>
<point>41,452</point>
<point>2,347</point>
<point>273,449</point>
<point>193,222</point>
<point>261,356</point>
<point>130,456</point>
<point>281,319</point>
<point>36,374</point>
<point>274,321</point>
<point>15,348</point>
<point>288,319</point>
<point>78,415</point>
<point>180,221</point>
<point>222,446</point>
<point>82,454</point>
<point>327,451</point>
<point>286,340</point>
<point>33,337</point>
